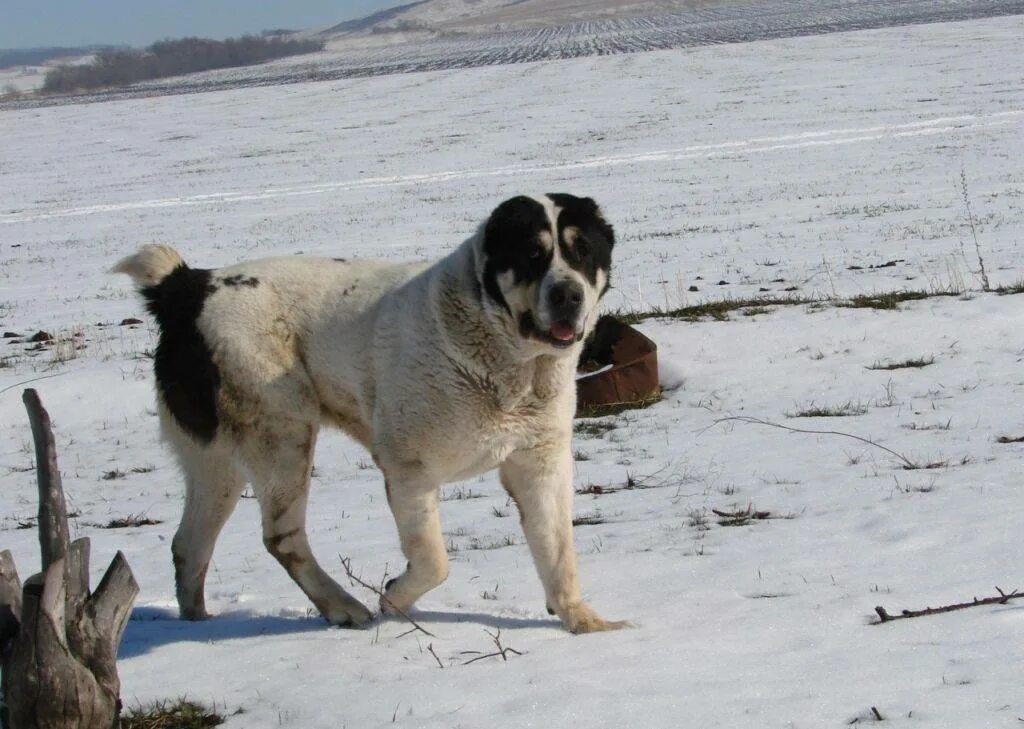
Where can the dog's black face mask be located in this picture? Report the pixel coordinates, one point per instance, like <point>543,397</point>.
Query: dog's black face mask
<point>547,262</point>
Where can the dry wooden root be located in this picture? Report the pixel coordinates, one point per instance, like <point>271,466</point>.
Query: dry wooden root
<point>1001,599</point>
<point>58,640</point>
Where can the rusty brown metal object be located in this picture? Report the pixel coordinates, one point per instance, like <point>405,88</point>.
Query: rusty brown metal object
<point>632,379</point>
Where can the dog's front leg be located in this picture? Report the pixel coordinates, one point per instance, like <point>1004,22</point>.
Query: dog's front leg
<point>540,482</point>
<point>414,504</point>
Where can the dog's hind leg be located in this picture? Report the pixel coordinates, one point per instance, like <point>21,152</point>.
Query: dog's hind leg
<point>213,484</point>
<point>280,457</point>
<point>414,504</point>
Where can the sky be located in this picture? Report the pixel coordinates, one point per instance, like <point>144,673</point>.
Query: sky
<point>140,22</point>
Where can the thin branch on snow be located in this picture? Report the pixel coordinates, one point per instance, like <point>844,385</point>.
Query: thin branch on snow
<point>430,649</point>
<point>346,562</point>
<point>502,650</point>
<point>1001,599</point>
<point>34,379</point>
<point>985,286</point>
<point>907,463</point>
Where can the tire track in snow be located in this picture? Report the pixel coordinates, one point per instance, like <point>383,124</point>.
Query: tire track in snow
<point>756,145</point>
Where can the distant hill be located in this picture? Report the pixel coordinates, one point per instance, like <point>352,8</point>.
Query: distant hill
<point>379,19</point>
<point>469,16</point>
<point>36,56</point>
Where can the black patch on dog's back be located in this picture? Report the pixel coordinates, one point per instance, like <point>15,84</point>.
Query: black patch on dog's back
<point>185,373</point>
<point>511,243</point>
<point>592,251</point>
<point>240,280</point>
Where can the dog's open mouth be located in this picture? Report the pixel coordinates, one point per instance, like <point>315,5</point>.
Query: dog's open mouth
<point>561,334</point>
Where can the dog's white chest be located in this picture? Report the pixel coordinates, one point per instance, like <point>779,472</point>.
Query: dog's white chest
<point>490,441</point>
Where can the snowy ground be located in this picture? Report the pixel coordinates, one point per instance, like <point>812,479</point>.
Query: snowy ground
<point>766,166</point>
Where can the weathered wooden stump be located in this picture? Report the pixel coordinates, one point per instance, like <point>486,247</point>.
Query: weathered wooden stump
<point>58,641</point>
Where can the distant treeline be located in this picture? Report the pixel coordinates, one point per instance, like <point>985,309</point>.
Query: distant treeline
<point>172,58</point>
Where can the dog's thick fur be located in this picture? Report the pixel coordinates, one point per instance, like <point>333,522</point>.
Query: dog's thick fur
<point>441,372</point>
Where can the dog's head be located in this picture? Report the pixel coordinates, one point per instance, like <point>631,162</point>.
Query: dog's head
<point>546,261</point>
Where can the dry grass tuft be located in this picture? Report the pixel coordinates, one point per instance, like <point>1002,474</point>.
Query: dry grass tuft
<point>179,714</point>
<point>132,520</point>
<point>847,409</point>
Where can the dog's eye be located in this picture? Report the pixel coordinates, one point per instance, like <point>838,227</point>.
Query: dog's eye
<point>536,252</point>
<point>582,248</point>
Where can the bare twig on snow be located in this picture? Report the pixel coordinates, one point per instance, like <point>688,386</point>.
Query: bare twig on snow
<point>430,648</point>
<point>502,650</point>
<point>346,562</point>
<point>907,463</point>
<point>1001,599</point>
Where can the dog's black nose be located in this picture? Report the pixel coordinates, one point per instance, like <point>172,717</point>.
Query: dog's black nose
<point>565,299</point>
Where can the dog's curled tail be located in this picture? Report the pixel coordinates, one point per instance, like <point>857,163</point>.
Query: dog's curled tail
<point>149,265</point>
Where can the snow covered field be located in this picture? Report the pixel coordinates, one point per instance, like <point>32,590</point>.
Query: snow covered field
<point>442,34</point>
<point>21,79</point>
<point>831,164</point>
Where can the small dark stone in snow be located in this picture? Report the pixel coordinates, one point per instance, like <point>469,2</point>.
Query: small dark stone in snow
<point>41,336</point>
<point>763,289</point>
<point>130,320</point>
<point>791,288</point>
<point>723,282</point>
<point>11,335</point>
<point>694,288</point>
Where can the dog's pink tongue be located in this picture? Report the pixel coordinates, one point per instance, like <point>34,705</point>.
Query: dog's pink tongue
<point>562,332</point>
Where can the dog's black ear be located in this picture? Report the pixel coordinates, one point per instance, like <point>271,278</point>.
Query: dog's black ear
<point>599,222</point>
<point>586,212</point>
<point>603,225</point>
<point>509,243</point>
<point>516,218</point>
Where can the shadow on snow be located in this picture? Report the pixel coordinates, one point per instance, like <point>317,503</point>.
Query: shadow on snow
<point>151,627</point>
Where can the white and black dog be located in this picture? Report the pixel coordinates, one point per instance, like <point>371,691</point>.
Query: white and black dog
<point>441,371</point>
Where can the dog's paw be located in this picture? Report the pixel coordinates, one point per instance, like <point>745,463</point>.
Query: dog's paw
<point>395,601</point>
<point>194,613</point>
<point>393,604</point>
<point>580,618</point>
<point>350,615</point>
